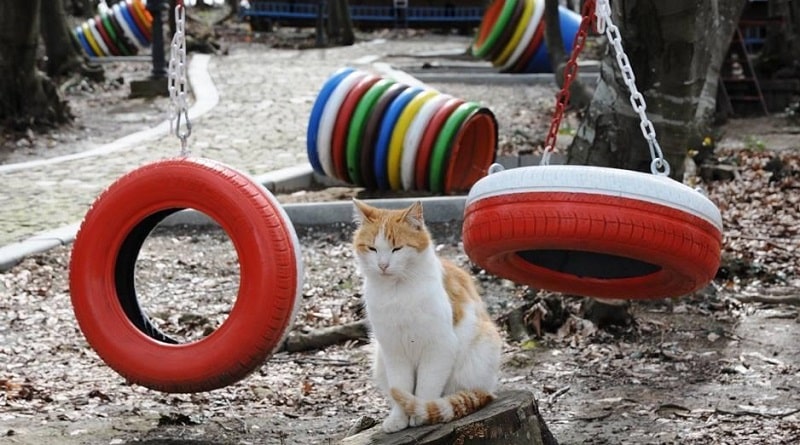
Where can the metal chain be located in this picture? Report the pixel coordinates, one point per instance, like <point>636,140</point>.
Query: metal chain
<point>659,165</point>
<point>570,73</point>
<point>176,72</point>
<point>601,13</point>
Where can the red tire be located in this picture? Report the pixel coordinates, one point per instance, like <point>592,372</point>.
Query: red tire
<point>593,231</point>
<point>104,256</point>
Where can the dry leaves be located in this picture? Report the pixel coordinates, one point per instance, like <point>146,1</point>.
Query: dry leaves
<point>761,217</point>
<point>48,372</point>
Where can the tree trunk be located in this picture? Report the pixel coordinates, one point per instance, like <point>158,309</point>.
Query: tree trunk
<point>512,419</point>
<point>320,34</point>
<point>333,20</point>
<point>63,53</point>
<point>348,34</point>
<point>27,98</point>
<point>676,49</point>
<point>340,24</point>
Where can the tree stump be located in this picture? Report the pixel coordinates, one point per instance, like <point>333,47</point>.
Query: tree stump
<point>512,419</point>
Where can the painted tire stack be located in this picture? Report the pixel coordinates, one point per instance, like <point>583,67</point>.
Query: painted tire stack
<point>376,133</point>
<point>121,30</point>
<point>511,35</point>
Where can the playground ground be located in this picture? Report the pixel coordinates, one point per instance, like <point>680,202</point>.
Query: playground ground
<point>704,369</point>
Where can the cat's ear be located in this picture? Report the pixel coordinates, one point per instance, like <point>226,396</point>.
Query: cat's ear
<point>363,212</point>
<point>413,216</point>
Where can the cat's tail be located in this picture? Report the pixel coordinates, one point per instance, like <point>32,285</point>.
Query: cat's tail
<point>445,409</point>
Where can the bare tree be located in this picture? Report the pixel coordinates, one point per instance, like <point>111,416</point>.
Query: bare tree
<point>676,49</point>
<point>340,24</point>
<point>64,55</point>
<point>27,97</point>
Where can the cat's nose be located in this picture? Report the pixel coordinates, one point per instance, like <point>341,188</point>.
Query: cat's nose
<point>383,266</point>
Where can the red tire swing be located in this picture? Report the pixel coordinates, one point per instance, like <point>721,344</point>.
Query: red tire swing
<point>594,231</point>
<point>113,231</point>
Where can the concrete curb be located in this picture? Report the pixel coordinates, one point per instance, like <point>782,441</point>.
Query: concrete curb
<point>477,75</point>
<point>301,177</point>
<point>498,78</point>
<point>287,180</point>
<point>280,181</point>
<point>437,209</point>
<point>12,254</point>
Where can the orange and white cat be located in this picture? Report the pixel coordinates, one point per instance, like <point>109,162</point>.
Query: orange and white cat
<point>437,350</point>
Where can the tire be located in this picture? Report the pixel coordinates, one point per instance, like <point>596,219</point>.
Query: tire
<point>413,137</point>
<point>526,39</point>
<point>341,126</point>
<point>593,231</point>
<point>102,274</point>
<point>422,165</point>
<point>328,119</point>
<point>312,132</point>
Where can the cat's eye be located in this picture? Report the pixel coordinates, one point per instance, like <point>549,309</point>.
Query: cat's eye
<point>396,249</point>
<point>372,249</point>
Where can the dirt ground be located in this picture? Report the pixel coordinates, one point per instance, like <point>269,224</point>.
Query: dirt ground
<point>705,369</point>
<point>717,367</point>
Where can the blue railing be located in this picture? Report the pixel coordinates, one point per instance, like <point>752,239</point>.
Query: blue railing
<point>281,10</point>
<point>368,14</point>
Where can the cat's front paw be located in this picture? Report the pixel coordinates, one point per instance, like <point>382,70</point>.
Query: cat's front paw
<point>395,423</point>
<point>416,421</point>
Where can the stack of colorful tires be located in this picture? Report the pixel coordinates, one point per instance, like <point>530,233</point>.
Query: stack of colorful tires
<point>121,30</point>
<point>379,134</point>
<point>511,35</point>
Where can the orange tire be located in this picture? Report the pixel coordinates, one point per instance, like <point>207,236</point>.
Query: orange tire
<point>593,239</point>
<point>105,253</point>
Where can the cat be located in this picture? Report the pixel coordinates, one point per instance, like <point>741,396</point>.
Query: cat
<point>437,351</point>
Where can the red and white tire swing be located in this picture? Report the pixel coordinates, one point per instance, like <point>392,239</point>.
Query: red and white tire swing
<point>594,231</point>
<point>113,231</point>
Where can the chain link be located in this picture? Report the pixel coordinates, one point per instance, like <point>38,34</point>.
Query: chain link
<point>570,73</point>
<point>659,165</point>
<point>599,12</point>
<point>176,72</point>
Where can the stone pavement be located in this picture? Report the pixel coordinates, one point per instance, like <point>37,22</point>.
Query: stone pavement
<point>259,125</point>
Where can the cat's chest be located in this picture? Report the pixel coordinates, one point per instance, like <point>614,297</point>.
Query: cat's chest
<point>408,311</point>
<point>411,298</point>
<point>407,317</point>
<point>410,329</point>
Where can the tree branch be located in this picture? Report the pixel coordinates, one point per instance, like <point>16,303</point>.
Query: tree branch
<point>324,337</point>
<point>769,299</point>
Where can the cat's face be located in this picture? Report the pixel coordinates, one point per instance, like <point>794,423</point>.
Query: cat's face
<point>387,242</point>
